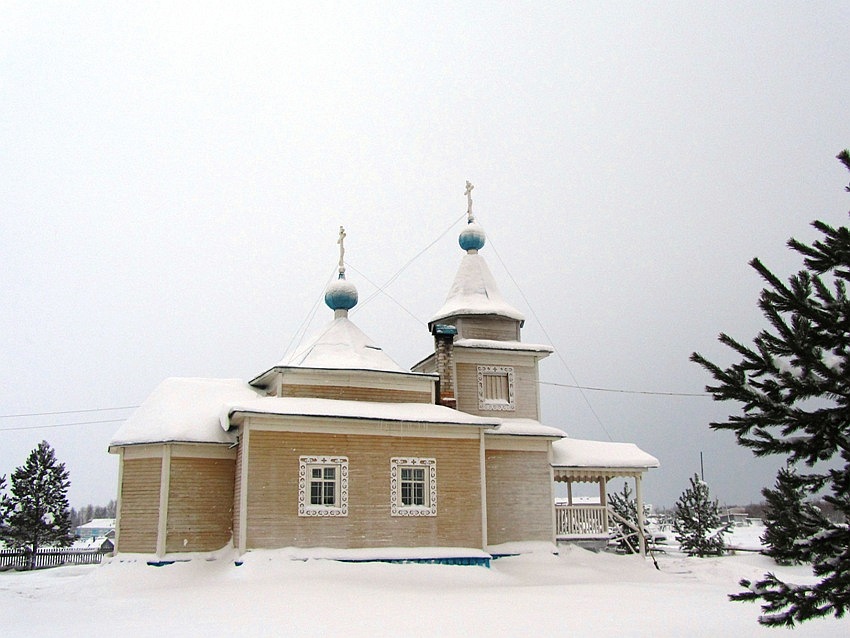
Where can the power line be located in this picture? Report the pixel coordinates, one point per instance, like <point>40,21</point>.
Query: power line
<point>387,295</point>
<point>301,331</point>
<point>15,416</point>
<point>58,425</point>
<point>130,407</point>
<point>381,289</point>
<point>549,339</point>
<point>665,394</point>
<point>378,289</point>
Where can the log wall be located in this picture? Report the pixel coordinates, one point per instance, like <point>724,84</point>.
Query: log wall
<point>200,504</point>
<point>139,505</point>
<point>272,494</point>
<point>519,496</point>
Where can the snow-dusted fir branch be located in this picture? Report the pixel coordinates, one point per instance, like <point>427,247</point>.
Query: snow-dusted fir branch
<point>793,385</point>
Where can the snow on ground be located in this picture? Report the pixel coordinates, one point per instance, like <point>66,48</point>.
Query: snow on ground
<point>575,593</point>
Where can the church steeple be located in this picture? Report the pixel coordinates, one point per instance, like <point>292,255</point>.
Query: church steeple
<point>341,295</point>
<point>340,345</point>
<point>484,367</point>
<point>472,238</point>
<point>474,292</point>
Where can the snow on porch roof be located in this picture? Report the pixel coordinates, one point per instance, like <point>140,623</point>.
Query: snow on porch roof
<point>183,410</point>
<point>577,453</point>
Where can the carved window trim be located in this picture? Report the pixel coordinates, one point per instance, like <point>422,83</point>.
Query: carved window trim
<point>486,398</point>
<point>397,507</point>
<point>306,465</point>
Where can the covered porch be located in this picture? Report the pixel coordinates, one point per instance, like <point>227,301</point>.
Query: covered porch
<point>580,461</point>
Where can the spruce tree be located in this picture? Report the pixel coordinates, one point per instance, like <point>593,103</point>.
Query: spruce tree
<point>626,508</point>
<point>794,387</point>
<point>696,521</point>
<point>789,520</point>
<point>4,507</point>
<point>38,505</point>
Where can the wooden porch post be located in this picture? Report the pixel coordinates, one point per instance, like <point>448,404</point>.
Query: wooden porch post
<point>244,447</point>
<point>603,501</point>
<point>164,489</point>
<point>639,499</point>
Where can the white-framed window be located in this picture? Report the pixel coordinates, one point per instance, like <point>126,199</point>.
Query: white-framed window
<point>496,388</point>
<point>413,486</point>
<point>323,486</point>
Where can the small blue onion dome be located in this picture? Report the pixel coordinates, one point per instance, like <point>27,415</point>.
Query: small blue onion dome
<point>472,237</point>
<point>341,294</point>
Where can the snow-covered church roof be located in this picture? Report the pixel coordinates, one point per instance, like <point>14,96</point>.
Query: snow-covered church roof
<point>474,292</point>
<point>525,427</point>
<point>183,410</point>
<point>358,410</point>
<point>493,344</point>
<point>342,345</point>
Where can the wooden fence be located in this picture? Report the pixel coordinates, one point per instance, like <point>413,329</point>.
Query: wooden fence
<point>53,557</point>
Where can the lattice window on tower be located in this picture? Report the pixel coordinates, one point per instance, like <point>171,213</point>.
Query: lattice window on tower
<point>496,388</point>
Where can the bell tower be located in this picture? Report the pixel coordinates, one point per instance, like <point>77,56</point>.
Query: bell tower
<point>483,365</point>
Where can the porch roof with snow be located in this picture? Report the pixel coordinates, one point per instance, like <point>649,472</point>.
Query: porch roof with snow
<point>583,460</point>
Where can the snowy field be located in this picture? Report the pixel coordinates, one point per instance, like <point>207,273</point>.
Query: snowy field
<point>576,593</point>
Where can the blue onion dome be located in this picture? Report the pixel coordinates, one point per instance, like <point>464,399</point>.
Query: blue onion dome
<point>472,237</point>
<point>341,294</point>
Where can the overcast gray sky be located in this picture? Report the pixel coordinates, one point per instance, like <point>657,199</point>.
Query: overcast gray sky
<point>172,179</point>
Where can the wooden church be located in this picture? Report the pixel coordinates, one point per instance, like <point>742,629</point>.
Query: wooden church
<point>340,447</point>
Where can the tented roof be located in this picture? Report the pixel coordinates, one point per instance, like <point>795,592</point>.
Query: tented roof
<point>342,345</point>
<point>474,292</point>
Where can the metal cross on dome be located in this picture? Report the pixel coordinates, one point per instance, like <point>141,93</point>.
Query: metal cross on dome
<point>341,243</point>
<point>468,193</point>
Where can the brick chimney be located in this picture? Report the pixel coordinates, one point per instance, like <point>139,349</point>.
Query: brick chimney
<point>444,335</point>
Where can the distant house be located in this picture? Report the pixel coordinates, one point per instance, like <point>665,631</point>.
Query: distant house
<point>738,516</point>
<point>95,528</point>
<point>99,543</point>
<point>338,446</point>
<point>97,534</point>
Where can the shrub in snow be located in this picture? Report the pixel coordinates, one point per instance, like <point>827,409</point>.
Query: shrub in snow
<point>4,506</point>
<point>794,387</point>
<point>625,507</point>
<point>38,512</point>
<point>696,522</point>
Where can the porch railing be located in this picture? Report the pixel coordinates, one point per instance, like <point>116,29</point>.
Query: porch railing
<point>581,521</point>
